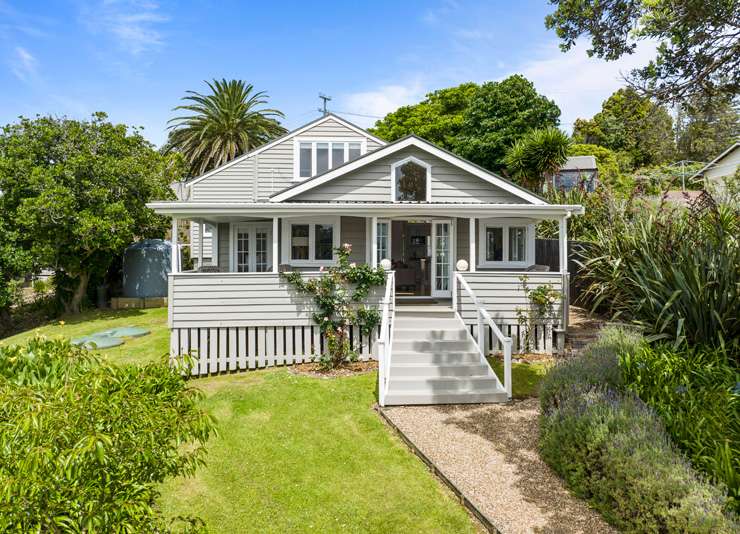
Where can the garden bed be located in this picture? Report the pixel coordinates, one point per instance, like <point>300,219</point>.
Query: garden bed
<point>350,369</point>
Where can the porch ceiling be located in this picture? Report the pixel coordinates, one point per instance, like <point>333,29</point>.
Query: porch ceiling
<point>228,211</point>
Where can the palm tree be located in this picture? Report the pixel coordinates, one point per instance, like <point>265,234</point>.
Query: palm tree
<point>537,156</point>
<point>223,125</point>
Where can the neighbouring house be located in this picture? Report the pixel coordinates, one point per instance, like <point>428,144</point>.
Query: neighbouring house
<point>714,173</point>
<point>577,171</point>
<point>456,240</point>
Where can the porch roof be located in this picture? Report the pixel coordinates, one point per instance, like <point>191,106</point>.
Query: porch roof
<point>226,210</point>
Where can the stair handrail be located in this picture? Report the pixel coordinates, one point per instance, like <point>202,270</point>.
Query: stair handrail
<point>483,315</point>
<point>385,338</point>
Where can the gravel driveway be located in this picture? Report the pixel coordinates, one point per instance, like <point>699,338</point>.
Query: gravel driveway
<point>490,453</point>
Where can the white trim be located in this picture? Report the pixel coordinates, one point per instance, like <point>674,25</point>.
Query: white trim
<point>419,162</point>
<point>505,225</point>
<point>311,222</point>
<point>374,242</point>
<point>471,244</point>
<point>286,137</point>
<point>316,140</point>
<point>451,257</point>
<point>400,145</point>
<point>389,236</point>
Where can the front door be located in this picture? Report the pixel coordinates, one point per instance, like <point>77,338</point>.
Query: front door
<point>441,258</point>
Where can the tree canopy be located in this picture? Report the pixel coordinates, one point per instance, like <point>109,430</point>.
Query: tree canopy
<point>705,127</point>
<point>478,122</point>
<point>222,125</point>
<point>699,41</point>
<point>632,125</point>
<point>75,193</point>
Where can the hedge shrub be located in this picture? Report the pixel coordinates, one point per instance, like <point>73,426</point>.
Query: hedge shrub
<point>84,445</point>
<point>695,391</point>
<point>613,450</point>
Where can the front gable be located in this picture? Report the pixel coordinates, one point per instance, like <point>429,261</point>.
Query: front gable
<point>372,179</point>
<point>255,176</point>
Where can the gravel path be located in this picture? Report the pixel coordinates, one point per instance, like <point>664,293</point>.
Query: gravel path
<point>490,453</point>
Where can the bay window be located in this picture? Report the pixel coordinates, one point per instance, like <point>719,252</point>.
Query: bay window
<point>314,157</point>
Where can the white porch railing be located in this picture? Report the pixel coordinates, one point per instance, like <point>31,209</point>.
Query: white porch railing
<point>484,316</point>
<point>385,338</point>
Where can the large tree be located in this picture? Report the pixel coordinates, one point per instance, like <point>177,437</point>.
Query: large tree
<point>14,263</point>
<point>76,191</point>
<point>699,41</point>
<point>630,124</point>
<point>478,122</point>
<point>438,118</point>
<point>706,126</point>
<point>222,125</point>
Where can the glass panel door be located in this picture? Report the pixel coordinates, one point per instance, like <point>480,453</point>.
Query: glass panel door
<point>384,240</point>
<point>252,249</point>
<point>242,250</point>
<point>441,258</point>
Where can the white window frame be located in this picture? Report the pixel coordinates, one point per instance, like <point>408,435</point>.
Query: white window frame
<point>287,223</point>
<point>314,141</point>
<point>213,236</point>
<point>390,244</point>
<point>413,159</point>
<point>252,228</point>
<point>505,224</point>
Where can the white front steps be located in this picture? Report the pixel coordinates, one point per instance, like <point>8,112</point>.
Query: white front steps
<point>435,361</point>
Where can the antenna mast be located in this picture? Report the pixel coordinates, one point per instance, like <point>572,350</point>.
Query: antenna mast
<point>325,98</point>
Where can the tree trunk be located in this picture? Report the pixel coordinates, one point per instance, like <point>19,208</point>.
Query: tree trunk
<point>74,305</point>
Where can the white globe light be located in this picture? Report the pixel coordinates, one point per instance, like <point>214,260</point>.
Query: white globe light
<point>461,265</point>
<point>385,263</point>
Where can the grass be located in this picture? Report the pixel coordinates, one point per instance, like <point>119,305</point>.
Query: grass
<point>152,347</point>
<point>525,377</point>
<point>302,454</point>
<point>292,454</point>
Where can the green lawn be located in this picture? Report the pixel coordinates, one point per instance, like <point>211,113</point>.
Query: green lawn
<point>302,454</point>
<point>152,347</point>
<point>525,377</point>
<point>293,453</point>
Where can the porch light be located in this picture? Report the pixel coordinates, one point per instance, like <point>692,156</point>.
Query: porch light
<point>461,265</point>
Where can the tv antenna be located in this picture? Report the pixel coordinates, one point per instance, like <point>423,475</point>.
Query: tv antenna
<point>325,98</point>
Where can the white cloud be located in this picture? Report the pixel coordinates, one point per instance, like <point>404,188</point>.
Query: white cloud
<point>133,23</point>
<point>438,14</point>
<point>578,83</point>
<point>380,101</point>
<point>23,64</point>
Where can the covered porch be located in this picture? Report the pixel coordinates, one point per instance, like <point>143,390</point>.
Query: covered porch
<point>237,313</point>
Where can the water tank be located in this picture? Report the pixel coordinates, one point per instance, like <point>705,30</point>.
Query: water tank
<point>145,268</point>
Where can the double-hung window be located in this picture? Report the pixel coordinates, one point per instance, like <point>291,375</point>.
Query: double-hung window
<point>310,242</point>
<point>505,243</point>
<point>318,156</point>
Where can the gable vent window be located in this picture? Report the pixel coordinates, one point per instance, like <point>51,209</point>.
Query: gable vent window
<point>411,181</point>
<point>317,157</point>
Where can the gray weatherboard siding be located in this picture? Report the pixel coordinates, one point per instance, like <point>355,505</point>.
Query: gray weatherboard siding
<point>272,167</point>
<point>372,183</point>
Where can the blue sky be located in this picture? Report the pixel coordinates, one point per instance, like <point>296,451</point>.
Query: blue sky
<point>134,59</point>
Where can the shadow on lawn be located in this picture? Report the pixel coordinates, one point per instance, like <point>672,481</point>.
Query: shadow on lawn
<point>99,315</point>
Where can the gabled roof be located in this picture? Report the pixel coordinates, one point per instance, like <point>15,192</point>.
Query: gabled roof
<point>418,142</point>
<point>285,137</point>
<point>714,162</point>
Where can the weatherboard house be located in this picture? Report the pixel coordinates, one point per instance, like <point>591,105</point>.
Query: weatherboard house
<point>457,240</point>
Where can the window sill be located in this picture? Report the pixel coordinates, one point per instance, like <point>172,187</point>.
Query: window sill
<point>504,264</point>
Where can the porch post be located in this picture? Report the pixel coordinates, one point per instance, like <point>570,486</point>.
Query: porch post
<point>563,245</point>
<point>275,259</point>
<point>175,252</point>
<point>201,231</point>
<point>471,240</point>
<point>374,242</point>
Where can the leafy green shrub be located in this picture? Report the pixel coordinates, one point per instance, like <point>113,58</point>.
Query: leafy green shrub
<point>597,368</point>
<point>695,392</point>
<point>613,451</point>
<point>674,272</point>
<point>84,445</point>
